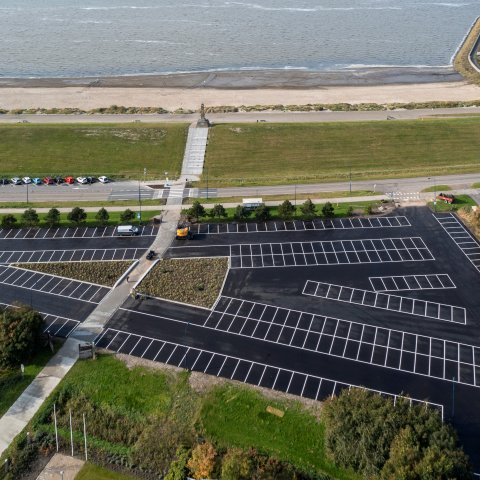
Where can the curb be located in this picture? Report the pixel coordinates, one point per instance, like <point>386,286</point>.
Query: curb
<point>127,271</point>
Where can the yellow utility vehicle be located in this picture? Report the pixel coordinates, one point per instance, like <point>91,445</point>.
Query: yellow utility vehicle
<point>183,231</point>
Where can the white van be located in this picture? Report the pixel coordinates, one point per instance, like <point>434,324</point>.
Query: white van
<point>127,230</point>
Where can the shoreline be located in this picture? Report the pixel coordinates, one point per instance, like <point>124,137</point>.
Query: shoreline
<point>251,79</point>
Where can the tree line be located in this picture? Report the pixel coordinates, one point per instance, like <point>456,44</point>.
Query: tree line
<point>77,216</point>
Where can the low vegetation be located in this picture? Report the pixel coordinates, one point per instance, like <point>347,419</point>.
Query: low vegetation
<point>437,188</point>
<point>93,472</point>
<point>182,424</point>
<point>272,154</point>
<point>195,281</point>
<point>461,201</point>
<point>471,218</point>
<point>461,62</point>
<point>101,273</point>
<point>91,149</point>
<point>77,217</point>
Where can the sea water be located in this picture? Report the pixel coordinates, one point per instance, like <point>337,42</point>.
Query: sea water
<point>62,38</point>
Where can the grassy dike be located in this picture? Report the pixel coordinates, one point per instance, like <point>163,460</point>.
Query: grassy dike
<point>461,62</point>
<point>280,153</point>
<point>149,411</point>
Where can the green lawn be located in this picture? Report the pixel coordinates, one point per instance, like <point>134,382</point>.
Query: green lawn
<point>93,472</point>
<point>269,154</point>
<point>437,188</point>
<point>13,383</point>
<point>116,150</point>
<point>236,416</point>
<point>460,201</point>
<point>82,203</point>
<point>114,219</point>
<point>476,185</point>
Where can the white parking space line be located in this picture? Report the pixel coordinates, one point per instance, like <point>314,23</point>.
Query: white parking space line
<point>218,361</point>
<point>385,347</point>
<point>90,254</point>
<point>405,282</point>
<point>461,236</point>
<point>293,226</point>
<point>336,252</point>
<point>421,308</point>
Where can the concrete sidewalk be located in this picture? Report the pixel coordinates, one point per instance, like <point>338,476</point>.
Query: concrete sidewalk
<point>28,403</point>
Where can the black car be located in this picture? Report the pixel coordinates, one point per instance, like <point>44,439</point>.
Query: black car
<point>4,181</point>
<point>58,180</point>
<point>91,179</point>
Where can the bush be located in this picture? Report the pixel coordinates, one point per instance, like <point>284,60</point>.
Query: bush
<point>8,221</point>
<point>286,210</point>
<point>77,215</point>
<point>197,210</point>
<point>52,218</point>
<point>236,465</point>
<point>178,467</point>
<point>393,441</point>
<point>20,335</point>
<point>369,209</point>
<point>262,213</point>
<point>308,208</point>
<point>102,217</point>
<point>350,211</point>
<point>241,213</point>
<point>30,218</point>
<point>328,211</point>
<point>202,461</point>
<point>127,215</point>
<point>218,211</point>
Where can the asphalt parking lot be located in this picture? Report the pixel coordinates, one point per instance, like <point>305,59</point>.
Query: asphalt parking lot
<point>64,303</point>
<point>310,308</point>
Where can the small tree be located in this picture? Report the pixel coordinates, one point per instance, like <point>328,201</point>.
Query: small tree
<point>328,211</point>
<point>369,209</point>
<point>241,213</point>
<point>178,467</point>
<point>202,461</point>
<point>236,465</point>
<point>52,218</point>
<point>102,217</point>
<point>286,210</point>
<point>219,211</point>
<point>20,335</point>
<point>77,215</point>
<point>8,221</point>
<point>197,210</point>
<point>350,211</point>
<point>262,213</point>
<point>30,218</point>
<point>308,208</point>
<point>127,215</point>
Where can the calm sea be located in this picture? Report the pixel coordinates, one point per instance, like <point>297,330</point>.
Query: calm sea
<point>120,37</point>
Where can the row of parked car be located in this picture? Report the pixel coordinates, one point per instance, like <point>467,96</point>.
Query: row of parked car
<point>52,180</point>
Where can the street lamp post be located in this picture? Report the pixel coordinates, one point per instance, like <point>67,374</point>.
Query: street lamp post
<point>139,203</point>
<point>206,171</point>
<point>27,193</point>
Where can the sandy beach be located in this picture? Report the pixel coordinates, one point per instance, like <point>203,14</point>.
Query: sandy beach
<point>188,91</point>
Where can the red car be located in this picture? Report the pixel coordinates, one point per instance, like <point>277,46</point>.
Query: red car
<point>48,181</point>
<point>70,180</point>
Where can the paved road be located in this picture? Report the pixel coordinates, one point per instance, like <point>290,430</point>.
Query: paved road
<point>128,190</point>
<point>248,117</point>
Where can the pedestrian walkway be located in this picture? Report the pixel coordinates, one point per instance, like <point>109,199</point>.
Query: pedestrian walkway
<point>61,467</point>
<point>194,156</point>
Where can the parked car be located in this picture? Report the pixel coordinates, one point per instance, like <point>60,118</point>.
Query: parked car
<point>91,179</point>
<point>26,180</point>
<point>82,180</point>
<point>103,179</point>
<point>59,180</point>
<point>16,181</point>
<point>37,181</point>
<point>4,181</point>
<point>69,180</point>
<point>48,181</point>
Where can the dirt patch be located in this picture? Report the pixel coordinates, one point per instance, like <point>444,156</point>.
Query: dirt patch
<point>70,466</point>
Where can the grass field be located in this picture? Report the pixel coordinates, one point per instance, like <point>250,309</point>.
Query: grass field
<point>13,383</point>
<point>114,219</point>
<point>116,150</point>
<point>437,188</point>
<point>269,154</point>
<point>82,203</point>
